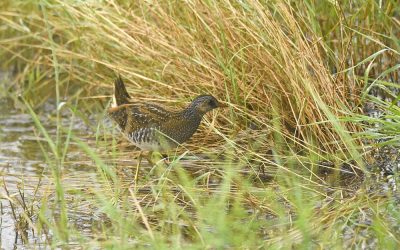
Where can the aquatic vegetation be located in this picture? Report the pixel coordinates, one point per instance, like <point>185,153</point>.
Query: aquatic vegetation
<point>287,165</point>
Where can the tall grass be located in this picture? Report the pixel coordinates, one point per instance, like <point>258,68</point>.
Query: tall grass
<point>289,71</point>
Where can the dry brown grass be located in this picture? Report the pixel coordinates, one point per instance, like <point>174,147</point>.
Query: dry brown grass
<point>287,74</point>
<point>259,59</point>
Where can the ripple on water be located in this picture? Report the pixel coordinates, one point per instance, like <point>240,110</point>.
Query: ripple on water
<point>21,169</point>
<point>23,166</point>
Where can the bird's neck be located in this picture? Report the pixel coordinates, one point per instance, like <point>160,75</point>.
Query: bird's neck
<point>192,112</point>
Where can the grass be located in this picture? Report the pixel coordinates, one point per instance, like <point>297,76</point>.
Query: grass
<point>295,75</point>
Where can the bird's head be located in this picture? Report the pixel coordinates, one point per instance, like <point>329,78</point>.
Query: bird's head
<point>205,103</point>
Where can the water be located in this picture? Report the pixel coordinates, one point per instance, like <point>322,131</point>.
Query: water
<point>21,163</point>
<point>27,183</point>
<point>26,178</point>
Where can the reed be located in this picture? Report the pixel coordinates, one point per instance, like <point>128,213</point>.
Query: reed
<point>295,75</point>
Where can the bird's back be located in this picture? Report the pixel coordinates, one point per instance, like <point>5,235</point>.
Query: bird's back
<point>150,126</point>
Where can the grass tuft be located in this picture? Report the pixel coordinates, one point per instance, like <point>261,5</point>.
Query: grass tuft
<point>283,167</point>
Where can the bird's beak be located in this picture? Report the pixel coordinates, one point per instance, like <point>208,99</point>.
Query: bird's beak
<point>222,105</point>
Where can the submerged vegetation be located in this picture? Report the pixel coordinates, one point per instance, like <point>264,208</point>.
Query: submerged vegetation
<point>292,162</point>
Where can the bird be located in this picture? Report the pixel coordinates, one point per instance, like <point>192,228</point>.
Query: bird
<point>152,127</point>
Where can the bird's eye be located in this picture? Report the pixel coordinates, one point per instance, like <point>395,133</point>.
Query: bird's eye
<point>212,103</point>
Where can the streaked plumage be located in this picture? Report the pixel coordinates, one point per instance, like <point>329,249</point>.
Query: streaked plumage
<point>154,128</point>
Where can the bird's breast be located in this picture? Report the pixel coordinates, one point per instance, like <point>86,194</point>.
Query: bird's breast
<point>151,139</point>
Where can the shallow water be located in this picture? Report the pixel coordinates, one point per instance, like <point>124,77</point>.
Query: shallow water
<point>26,175</point>
<point>20,162</point>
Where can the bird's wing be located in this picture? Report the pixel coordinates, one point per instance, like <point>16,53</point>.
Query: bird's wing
<point>133,116</point>
<point>149,114</point>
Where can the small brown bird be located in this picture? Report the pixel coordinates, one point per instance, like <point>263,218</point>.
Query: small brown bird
<point>151,127</point>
